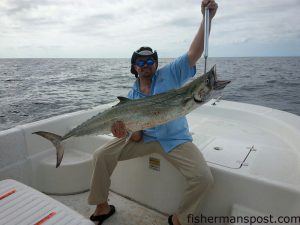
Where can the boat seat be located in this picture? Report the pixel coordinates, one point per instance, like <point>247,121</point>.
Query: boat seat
<point>71,177</point>
<point>74,173</point>
<point>21,204</point>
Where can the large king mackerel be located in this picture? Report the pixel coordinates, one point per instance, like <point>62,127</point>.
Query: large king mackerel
<point>144,113</point>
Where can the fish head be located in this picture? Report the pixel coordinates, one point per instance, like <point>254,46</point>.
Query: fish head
<point>207,84</point>
<point>212,80</point>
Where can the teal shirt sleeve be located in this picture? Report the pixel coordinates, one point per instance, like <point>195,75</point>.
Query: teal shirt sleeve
<point>181,70</point>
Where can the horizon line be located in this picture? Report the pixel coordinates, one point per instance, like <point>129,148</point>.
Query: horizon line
<point>279,56</point>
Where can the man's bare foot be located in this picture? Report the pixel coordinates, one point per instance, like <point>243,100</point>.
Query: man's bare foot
<point>175,220</point>
<point>102,209</point>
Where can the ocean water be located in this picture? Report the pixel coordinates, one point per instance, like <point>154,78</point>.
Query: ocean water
<point>35,89</point>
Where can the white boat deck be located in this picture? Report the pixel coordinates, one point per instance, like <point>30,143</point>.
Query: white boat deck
<point>253,153</point>
<point>127,212</point>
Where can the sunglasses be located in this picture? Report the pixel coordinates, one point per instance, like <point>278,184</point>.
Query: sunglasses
<point>141,62</point>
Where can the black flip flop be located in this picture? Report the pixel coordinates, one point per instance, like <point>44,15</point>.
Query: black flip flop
<point>100,219</point>
<point>170,220</point>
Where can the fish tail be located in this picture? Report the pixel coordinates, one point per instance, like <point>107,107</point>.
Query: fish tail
<point>56,141</point>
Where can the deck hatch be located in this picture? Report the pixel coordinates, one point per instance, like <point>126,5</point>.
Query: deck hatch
<point>228,153</point>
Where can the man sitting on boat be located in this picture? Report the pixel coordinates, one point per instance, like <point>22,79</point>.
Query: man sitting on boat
<point>172,140</point>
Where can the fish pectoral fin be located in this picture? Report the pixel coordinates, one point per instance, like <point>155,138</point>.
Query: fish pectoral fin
<point>129,134</point>
<point>186,100</point>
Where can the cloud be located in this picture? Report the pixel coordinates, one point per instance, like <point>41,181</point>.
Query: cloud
<point>114,28</point>
<point>267,20</point>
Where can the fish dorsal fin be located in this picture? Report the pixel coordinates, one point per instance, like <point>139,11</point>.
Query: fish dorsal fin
<point>123,99</point>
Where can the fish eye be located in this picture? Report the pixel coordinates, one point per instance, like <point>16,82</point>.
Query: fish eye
<point>207,81</point>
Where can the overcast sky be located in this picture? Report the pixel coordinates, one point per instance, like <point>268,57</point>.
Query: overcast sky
<point>115,28</point>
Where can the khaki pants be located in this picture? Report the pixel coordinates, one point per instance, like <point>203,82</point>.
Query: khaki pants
<point>185,157</point>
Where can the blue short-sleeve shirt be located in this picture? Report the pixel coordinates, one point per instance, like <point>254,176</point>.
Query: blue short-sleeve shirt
<point>171,76</point>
